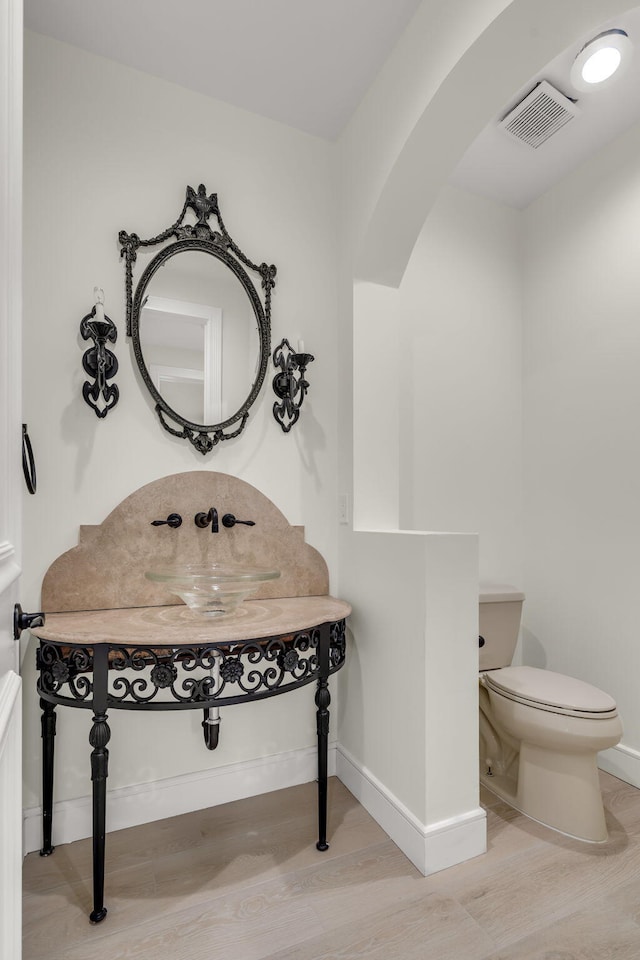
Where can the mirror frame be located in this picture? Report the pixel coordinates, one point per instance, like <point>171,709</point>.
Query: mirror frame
<point>216,243</point>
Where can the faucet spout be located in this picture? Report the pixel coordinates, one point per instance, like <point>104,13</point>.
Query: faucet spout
<point>203,520</point>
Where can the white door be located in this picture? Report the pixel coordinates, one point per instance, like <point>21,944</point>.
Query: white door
<point>10,472</point>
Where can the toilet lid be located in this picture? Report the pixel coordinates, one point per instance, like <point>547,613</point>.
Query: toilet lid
<point>552,691</point>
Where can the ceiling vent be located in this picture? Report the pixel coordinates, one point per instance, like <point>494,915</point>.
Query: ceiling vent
<point>542,113</point>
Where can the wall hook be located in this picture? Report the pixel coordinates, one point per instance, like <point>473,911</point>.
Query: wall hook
<point>290,384</point>
<point>99,362</point>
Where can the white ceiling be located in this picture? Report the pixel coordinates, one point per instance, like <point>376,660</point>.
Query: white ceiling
<point>308,63</point>
<point>512,172</point>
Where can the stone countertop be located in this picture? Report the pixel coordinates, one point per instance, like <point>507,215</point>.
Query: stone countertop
<point>177,625</point>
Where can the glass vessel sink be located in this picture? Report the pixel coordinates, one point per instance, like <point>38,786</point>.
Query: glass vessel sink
<point>211,589</point>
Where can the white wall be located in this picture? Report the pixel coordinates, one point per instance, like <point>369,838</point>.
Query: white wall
<point>411,670</point>
<point>108,148</point>
<point>437,446</point>
<point>582,456</point>
<point>408,744</point>
<point>370,152</point>
<point>458,320</point>
<point>377,380</point>
<point>435,42</point>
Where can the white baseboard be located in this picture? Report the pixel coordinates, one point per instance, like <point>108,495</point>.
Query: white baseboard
<point>622,762</point>
<point>145,802</point>
<point>430,847</point>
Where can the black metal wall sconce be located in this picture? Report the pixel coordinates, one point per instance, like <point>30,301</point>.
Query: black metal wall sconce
<point>98,361</point>
<point>290,385</point>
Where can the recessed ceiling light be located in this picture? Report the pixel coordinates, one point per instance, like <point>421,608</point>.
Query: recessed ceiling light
<point>600,59</point>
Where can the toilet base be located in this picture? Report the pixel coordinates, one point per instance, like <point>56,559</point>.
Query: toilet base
<point>558,790</point>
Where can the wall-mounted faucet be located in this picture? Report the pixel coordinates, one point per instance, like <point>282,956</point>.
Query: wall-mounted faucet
<point>204,519</point>
<point>228,520</point>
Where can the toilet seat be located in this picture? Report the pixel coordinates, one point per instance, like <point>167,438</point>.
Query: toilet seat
<point>552,692</point>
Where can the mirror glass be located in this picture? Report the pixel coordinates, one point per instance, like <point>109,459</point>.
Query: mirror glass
<point>199,337</point>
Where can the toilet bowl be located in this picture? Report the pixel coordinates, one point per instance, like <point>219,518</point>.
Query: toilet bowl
<point>540,732</point>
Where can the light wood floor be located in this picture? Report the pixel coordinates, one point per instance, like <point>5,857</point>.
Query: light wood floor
<point>244,881</point>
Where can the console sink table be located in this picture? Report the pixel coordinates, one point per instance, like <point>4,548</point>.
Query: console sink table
<point>165,658</point>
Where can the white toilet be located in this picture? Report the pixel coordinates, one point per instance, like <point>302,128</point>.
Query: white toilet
<point>540,732</point>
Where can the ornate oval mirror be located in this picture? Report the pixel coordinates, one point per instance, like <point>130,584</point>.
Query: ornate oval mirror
<point>200,332</point>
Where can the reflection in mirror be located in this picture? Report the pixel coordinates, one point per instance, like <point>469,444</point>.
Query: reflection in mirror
<point>210,336</point>
<point>181,344</point>
<point>200,333</point>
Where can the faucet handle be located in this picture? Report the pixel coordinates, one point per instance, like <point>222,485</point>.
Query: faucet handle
<point>173,520</point>
<point>230,521</point>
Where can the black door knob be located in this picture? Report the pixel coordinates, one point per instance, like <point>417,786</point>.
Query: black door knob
<point>22,621</point>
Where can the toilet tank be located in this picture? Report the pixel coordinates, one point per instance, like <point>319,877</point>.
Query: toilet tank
<point>500,613</point>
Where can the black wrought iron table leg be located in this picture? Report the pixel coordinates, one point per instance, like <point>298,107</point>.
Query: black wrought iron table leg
<point>48,725</point>
<point>99,738</point>
<point>323,699</point>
